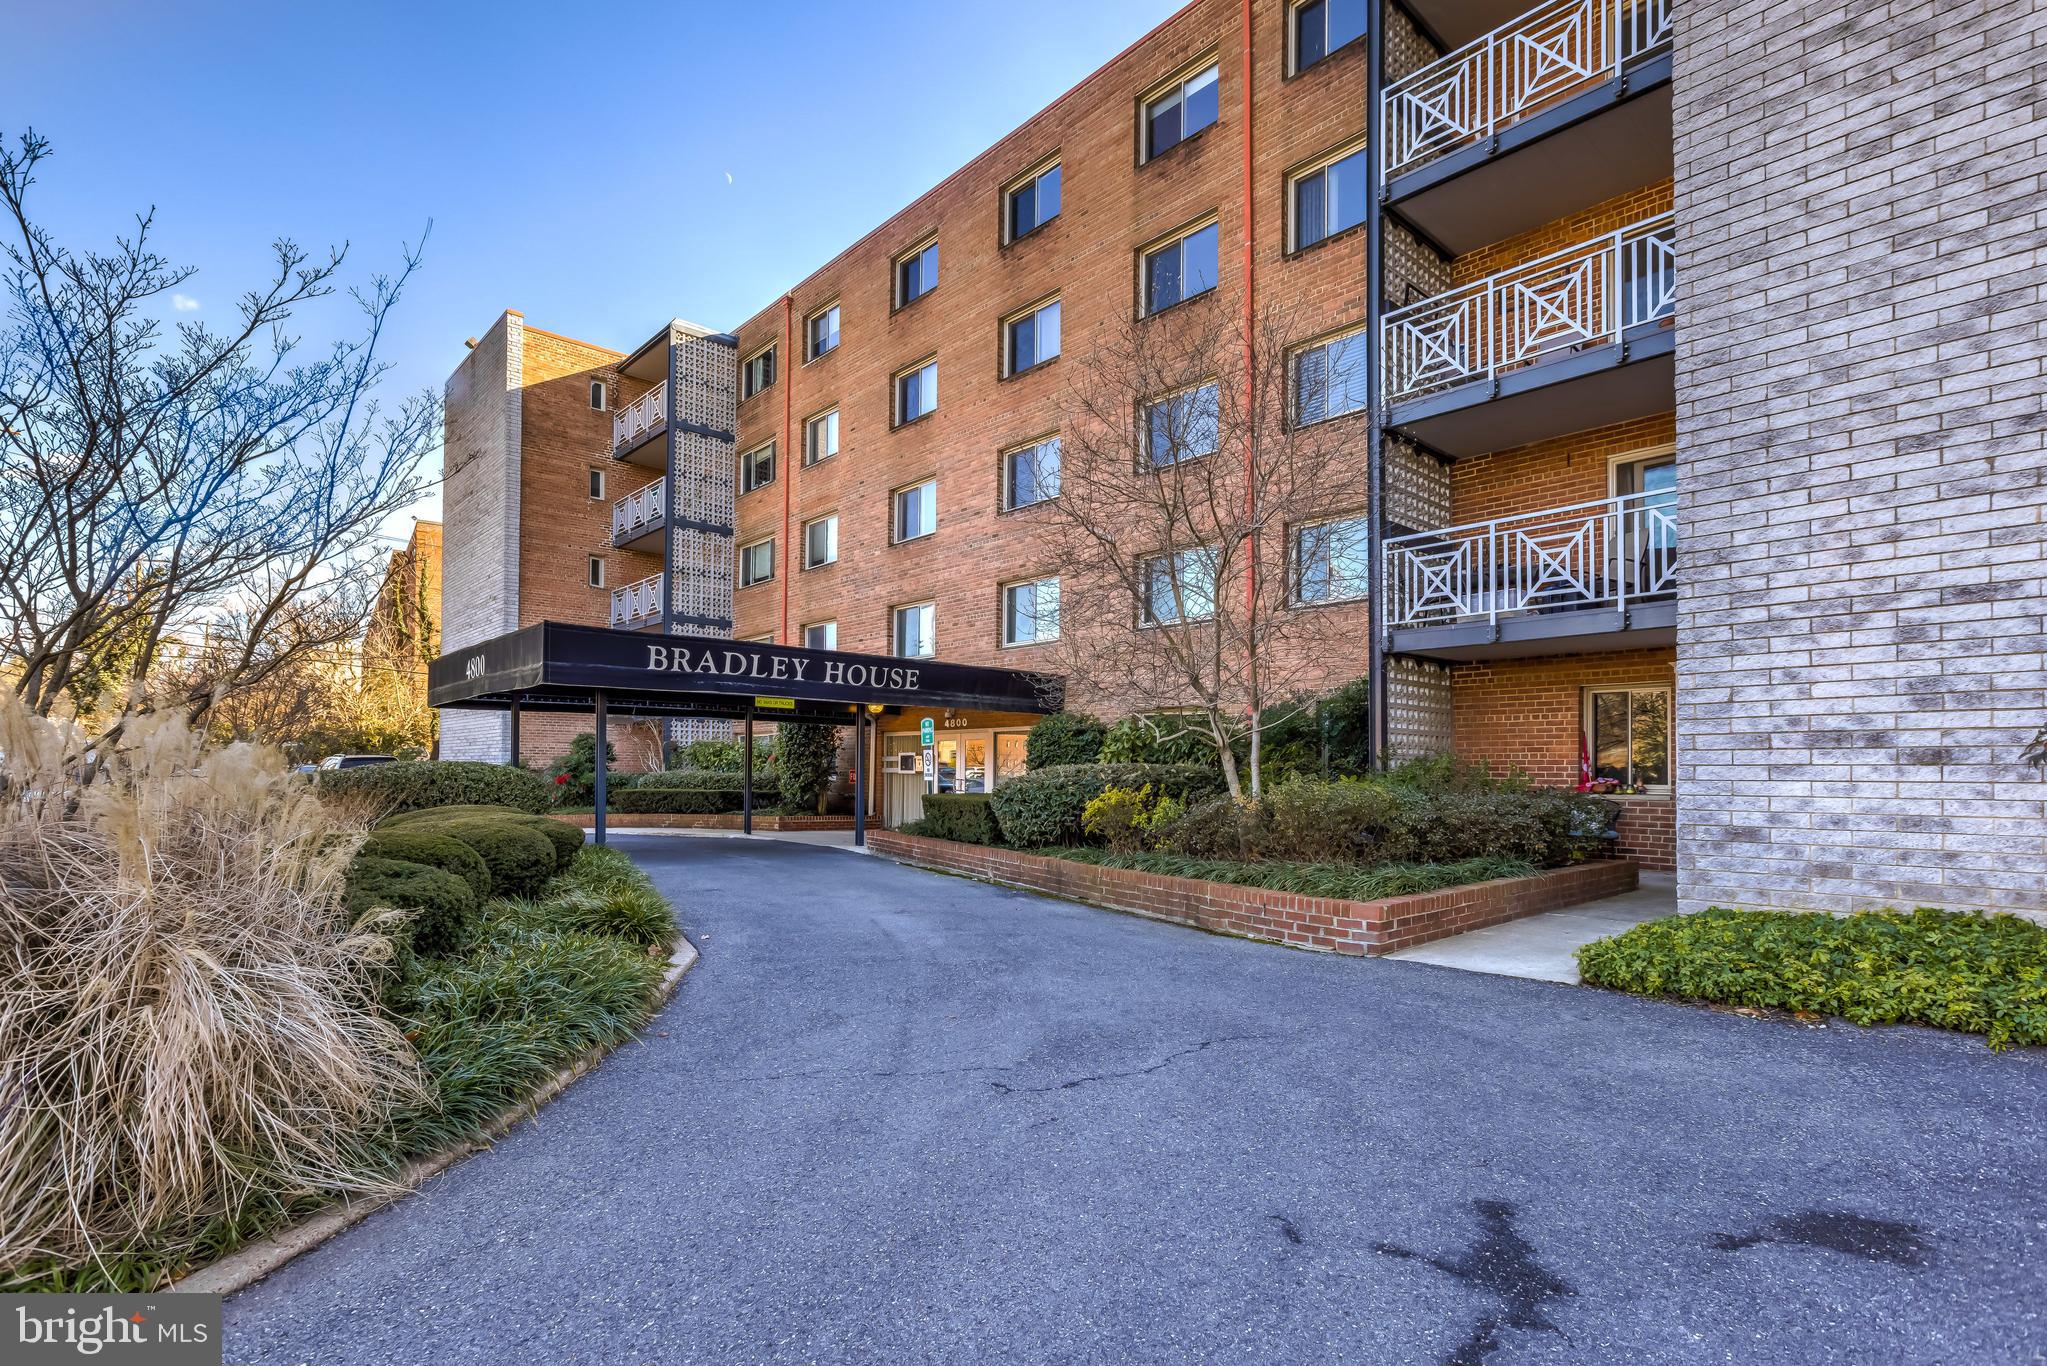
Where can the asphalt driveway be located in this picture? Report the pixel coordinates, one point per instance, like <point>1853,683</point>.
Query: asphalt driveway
<point>894,1116</point>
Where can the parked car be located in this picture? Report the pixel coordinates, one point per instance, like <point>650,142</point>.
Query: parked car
<point>334,763</point>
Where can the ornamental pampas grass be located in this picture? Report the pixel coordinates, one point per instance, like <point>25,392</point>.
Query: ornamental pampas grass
<point>188,1031</point>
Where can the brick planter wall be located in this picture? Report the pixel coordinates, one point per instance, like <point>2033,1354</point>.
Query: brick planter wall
<point>1305,922</point>
<point>727,820</point>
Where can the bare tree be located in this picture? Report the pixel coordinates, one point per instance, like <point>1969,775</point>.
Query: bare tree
<point>161,485</point>
<point>1200,523</point>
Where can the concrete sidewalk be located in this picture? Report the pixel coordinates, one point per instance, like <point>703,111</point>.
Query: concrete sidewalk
<point>1544,947</point>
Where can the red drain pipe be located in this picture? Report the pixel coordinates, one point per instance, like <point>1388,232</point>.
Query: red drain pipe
<point>787,474</point>
<point>1250,379</point>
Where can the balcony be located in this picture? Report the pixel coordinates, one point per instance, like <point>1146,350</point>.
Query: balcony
<point>1576,339</point>
<point>637,604</point>
<point>639,519</point>
<point>1591,576</point>
<point>635,427</point>
<point>1564,106</point>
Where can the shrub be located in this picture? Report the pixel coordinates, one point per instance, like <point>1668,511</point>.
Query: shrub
<point>699,780</point>
<point>1346,725</point>
<point>721,756</point>
<point>1046,807</point>
<point>665,801</point>
<point>1345,881</point>
<point>1064,737</point>
<point>567,839</point>
<point>1121,818</point>
<point>1136,740</point>
<point>425,845</point>
<point>442,903</point>
<point>601,893</point>
<point>572,778</point>
<point>1980,974</point>
<point>1220,827</point>
<point>520,857</point>
<point>1335,822</point>
<point>433,815</point>
<point>807,754</point>
<point>408,786</point>
<point>968,817</point>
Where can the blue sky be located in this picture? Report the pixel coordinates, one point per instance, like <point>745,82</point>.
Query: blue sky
<point>602,169</point>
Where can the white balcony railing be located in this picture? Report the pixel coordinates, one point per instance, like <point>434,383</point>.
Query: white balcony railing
<point>1551,52</point>
<point>1583,296</point>
<point>636,603</point>
<point>641,508</point>
<point>1615,553</point>
<point>647,413</point>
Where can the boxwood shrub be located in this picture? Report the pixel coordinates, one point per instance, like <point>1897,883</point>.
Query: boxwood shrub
<point>968,817</point>
<point>670,801</point>
<point>705,780</point>
<point>408,786</point>
<point>423,844</point>
<point>1064,737</point>
<point>520,857</point>
<point>443,906</point>
<point>1044,807</point>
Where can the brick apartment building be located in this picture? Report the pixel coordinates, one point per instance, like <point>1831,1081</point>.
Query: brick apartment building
<point>1700,353</point>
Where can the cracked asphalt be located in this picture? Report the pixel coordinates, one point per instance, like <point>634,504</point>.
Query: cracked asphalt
<point>894,1116</point>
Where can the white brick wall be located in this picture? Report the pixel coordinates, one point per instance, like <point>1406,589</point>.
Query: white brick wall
<point>480,517</point>
<point>1862,448</point>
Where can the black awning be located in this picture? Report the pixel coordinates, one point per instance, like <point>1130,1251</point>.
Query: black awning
<point>555,666</point>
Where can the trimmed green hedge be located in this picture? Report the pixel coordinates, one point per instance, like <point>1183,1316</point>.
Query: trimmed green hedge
<point>521,858</point>
<point>704,780</point>
<point>1949,969</point>
<point>409,786</point>
<point>443,906</point>
<point>1346,881</point>
<point>426,845</point>
<point>968,817</point>
<point>668,801</point>
<point>1044,807</point>
<point>1064,737</point>
<point>566,838</point>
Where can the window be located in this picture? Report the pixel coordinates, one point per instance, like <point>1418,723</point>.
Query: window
<point>916,511</point>
<point>757,373</point>
<point>822,331</point>
<point>821,437</point>
<point>917,273</point>
<point>916,392</point>
<point>757,468</point>
<point>913,628</point>
<point>1181,269</point>
<point>596,483</point>
<point>597,394</point>
<point>1030,474</point>
<point>1179,587</point>
<point>1031,338</point>
<point>1323,26</point>
<point>1034,203</point>
<point>821,635</point>
<point>1628,736</point>
<point>1183,426</point>
<point>1180,111</point>
<point>595,570</point>
<point>821,541</point>
<point>1332,561</point>
<point>756,562</point>
<point>1329,379</point>
<point>1030,612</point>
<point>1329,198</point>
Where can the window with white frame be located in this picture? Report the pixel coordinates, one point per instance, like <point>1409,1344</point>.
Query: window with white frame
<point>916,273</point>
<point>597,483</point>
<point>1627,737</point>
<point>756,562</point>
<point>821,331</point>
<point>1181,110</point>
<point>821,541</point>
<point>1030,474</point>
<point>1181,268</point>
<point>595,570</point>
<point>821,437</point>
<point>1332,561</point>
<point>1183,426</point>
<point>1329,378</point>
<point>1322,27</point>
<point>597,394</point>
<point>1328,197</point>
<point>757,467</point>
<point>1031,337</point>
<point>1033,202</point>
<point>916,392</point>
<point>821,635</point>
<point>1030,612</point>
<point>913,630</point>
<point>916,511</point>
<point>757,373</point>
<point>1179,587</point>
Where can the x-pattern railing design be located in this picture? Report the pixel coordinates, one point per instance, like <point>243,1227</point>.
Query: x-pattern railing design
<point>1608,553</point>
<point>1521,67</point>
<point>647,413</point>
<point>1584,295</point>
<point>642,507</point>
<point>636,602</point>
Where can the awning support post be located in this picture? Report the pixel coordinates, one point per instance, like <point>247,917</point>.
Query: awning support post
<point>860,778</point>
<point>600,765</point>
<point>746,788</point>
<point>515,732</point>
